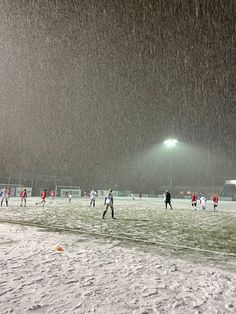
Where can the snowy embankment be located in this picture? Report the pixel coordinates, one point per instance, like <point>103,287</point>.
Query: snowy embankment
<point>102,276</point>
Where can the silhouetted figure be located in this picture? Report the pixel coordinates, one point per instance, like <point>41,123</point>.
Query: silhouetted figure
<point>109,203</point>
<point>168,199</point>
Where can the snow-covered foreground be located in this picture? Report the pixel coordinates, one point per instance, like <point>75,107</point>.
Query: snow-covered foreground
<point>134,264</point>
<point>102,276</point>
<point>182,231</point>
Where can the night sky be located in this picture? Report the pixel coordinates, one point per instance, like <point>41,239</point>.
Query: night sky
<point>91,89</point>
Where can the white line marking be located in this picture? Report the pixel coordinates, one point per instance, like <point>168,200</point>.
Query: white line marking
<point>31,224</point>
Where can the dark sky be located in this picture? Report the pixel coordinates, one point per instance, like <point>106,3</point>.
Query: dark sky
<point>90,88</point>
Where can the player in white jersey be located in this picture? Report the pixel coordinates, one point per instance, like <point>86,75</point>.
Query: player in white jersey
<point>108,202</point>
<point>203,202</point>
<point>52,196</point>
<point>70,196</point>
<point>93,196</point>
<point>5,195</point>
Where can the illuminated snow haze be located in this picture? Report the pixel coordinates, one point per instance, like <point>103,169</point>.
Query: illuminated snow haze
<point>91,89</point>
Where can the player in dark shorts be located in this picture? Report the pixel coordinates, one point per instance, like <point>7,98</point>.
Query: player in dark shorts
<point>108,202</point>
<point>168,199</point>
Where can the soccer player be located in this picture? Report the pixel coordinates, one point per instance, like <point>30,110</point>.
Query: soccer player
<point>203,201</point>
<point>194,201</point>
<point>168,199</point>
<point>70,197</point>
<point>93,195</point>
<point>215,201</point>
<point>43,198</point>
<point>5,195</point>
<point>109,203</point>
<point>23,197</point>
<point>52,196</point>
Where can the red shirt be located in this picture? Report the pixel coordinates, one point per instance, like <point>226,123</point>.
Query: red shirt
<point>215,199</point>
<point>23,194</point>
<point>194,198</point>
<point>52,193</point>
<point>43,195</point>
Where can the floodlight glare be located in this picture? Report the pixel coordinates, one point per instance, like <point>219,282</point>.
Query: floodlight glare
<point>171,142</point>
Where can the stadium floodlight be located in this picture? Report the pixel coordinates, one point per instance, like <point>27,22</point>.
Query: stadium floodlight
<point>171,143</point>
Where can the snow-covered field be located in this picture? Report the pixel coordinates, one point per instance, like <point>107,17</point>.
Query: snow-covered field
<point>148,260</point>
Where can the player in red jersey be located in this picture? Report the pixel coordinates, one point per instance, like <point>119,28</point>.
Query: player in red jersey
<point>23,197</point>
<point>43,198</point>
<point>194,201</point>
<point>215,201</point>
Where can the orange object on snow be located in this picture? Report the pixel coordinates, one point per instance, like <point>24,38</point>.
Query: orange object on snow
<point>59,249</point>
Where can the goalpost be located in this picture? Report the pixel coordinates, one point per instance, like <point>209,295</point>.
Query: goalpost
<point>64,190</point>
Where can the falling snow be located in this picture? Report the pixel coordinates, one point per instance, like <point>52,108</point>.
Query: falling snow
<point>89,90</point>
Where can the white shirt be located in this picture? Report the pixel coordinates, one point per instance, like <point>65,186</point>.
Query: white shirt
<point>203,200</point>
<point>109,197</point>
<point>93,195</point>
<point>5,193</point>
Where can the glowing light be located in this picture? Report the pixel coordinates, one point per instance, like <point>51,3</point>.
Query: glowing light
<point>170,142</point>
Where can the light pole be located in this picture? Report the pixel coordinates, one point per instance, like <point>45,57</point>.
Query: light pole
<point>171,143</point>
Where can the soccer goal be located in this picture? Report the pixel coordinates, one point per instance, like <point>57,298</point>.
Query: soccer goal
<point>65,190</point>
